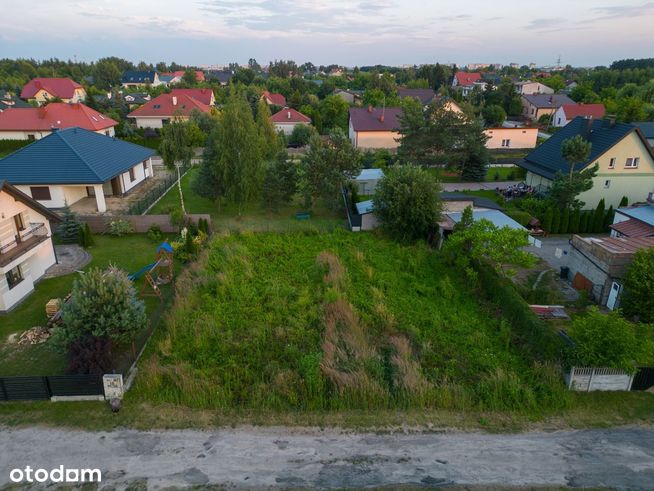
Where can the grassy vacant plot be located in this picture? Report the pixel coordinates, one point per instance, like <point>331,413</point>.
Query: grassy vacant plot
<point>130,253</point>
<point>335,321</point>
<point>513,173</point>
<point>253,218</point>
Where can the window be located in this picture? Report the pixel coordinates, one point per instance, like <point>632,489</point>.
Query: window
<point>632,162</point>
<point>612,163</point>
<point>31,137</point>
<point>607,183</point>
<point>108,133</point>
<point>132,178</point>
<point>41,193</point>
<point>506,143</point>
<point>14,276</point>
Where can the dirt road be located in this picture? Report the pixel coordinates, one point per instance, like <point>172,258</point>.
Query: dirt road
<point>277,457</point>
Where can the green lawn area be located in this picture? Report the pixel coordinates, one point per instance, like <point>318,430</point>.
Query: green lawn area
<point>335,321</point>
<point>130,253</point>
<point>253,217</point>
<point>513,173</point>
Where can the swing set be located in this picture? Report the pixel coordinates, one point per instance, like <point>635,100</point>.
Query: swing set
<point>160,272</point>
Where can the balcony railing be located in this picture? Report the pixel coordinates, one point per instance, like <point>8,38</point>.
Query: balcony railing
<point>29,238</point>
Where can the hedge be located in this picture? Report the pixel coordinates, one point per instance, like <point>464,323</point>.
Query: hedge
<point>9,146</point>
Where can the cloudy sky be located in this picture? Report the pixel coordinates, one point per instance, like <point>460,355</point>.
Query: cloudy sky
<point>350,32</point>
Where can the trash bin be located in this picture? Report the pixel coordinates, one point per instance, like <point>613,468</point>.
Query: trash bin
<point>565,271</point>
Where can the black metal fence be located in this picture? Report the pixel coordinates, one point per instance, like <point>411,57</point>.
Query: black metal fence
<point>35,388</point>
<point>155,193</point>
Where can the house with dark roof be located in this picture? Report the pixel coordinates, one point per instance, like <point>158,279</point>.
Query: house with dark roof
<point>43,90</point>
<point>371,128</point>
<point>349,96</point>
<point>9,101</point>
<point>33,123</point>
<point>166,107</point>
<point>222,76</point>
<point>625,160</point>
<point>72,164</point>
<point>568,112</point>
<point>26,249</point>
<point>647,128</point>
<point>287,119</point>
<point>133,78</point>
<point>536,105</point>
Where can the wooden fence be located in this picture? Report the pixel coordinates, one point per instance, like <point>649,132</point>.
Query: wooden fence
<point>140,223</point>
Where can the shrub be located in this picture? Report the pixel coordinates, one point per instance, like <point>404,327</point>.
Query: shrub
<point>155,234</point>
<point>522,217</point>
<point>119,227</point>
<point>85,236</point>
<point>565,221</point>
<point>638,300</point>
<point>176,217</point>
<point>547,220</point>
<point>89,355</point>
<point>510,176</point>
<point>583,225</point>
<point>556,222</point>
<point>70,226</point>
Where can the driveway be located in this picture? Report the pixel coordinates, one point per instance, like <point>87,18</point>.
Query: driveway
<point>548,251</point>
<point>258,458</point>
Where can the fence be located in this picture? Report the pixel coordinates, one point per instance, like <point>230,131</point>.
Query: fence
<point>140,223</point>
<point>591,379</point>
<point>35,388</point>
<point>153,195</point>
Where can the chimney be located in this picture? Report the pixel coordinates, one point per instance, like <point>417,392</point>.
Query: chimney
<point>370,108</point>
<point>586,127</point>
<point>288,114</point>
<point>174,100</point>
<point>381,118</point>
<point>611,120</point>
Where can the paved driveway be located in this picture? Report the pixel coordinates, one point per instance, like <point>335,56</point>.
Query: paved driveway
<point>548,249</point>
<point>477,186</point>
<point>257,458</point>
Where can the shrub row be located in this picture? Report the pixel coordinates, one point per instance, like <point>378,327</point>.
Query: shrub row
<point>569,221</point>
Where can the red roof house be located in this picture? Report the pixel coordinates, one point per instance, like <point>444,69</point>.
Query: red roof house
<point>177,75</point>
<point>287,119</point>
<point>205,96</point>
<point>165,107</point>
<point>48,88</point>
<point>274,99</point>
<point>35,123</point>
<point>465,79</point>
<point>568,112</point>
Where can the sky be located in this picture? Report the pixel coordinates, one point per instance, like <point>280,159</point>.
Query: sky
<point>355,32</point>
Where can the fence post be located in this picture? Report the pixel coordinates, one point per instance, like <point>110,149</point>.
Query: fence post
<point>590,380</point>
<point>47,386</point>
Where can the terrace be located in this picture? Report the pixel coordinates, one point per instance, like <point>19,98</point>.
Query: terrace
<point>23,242</point>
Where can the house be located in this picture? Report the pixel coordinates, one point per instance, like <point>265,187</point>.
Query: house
<point>133,78</point>
<point>467,81</point>
<point>598,265</point>
<point>26,249</point>
<point>507,138</point>
<point>8,101</point>
<point>136,99</point>
<point>222,76</point>
<point>163,108</point>
<point>633,221</point>
<point>371,128</point>
<point>205,96</point>
<point>72,164</point>
<point>172,78</point>
<point>367,180</point>
<point>537,105</point>
<point>648,131</point>
<point>349,96</point>
<point>287,119</point>
<point>43,90</point>
<point>568,112</point>
<point>626,161</point>
<point>273,99</point>
<point>425,96</point>
<point>36,122</point>
<point>527,87</point>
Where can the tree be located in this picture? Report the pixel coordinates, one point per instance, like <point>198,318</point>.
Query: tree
<point>607,340</point>
<point>485,243</point>
<point>575,221</point>
<point>103,304</point>
<point>189,77</point>
<point>301,135</point>
<point>177,142</point>
<point>408,204</point>
<point>466,221</point>
<point>564,190</point>
<point>281,182</point>
<point>556,223</point>
<point>106,73</point>
<point>565,221</point>
<point>494,115</point>
<point>327,166</point>
<point>598,217</point>
<point>266,130</point>
<point>637,300</point>
<point>631,109</point>
<point>69,227</point>
<point>334,112</point>
<point>575,150</point>
<point>624,202</point>
<point>547,220</point>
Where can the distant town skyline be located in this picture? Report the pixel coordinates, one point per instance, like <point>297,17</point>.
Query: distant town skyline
<point>351,33</point>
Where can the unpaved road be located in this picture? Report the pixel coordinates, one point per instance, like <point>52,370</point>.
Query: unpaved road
<point>278,457</point>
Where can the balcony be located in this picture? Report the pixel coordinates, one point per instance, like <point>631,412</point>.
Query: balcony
<point>29,238</point>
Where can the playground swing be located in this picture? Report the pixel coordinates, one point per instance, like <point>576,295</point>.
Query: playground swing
<point>160,272</point>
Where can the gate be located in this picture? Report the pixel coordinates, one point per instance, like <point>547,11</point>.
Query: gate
<point>644,379</point>
<point>40,388</point>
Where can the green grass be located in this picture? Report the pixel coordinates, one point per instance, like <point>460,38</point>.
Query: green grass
<point>513,173</point>
<point>334,321</point>
<point>10,146</point>
<point>253,217</point>
<point>486,193</point>
<point>130,253</point>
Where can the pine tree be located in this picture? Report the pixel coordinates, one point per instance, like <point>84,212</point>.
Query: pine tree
<point>598,217</point>
<point>565,221</point>
<point>547,220</point>
<point>624,202</point>
<point>266,130</point>
<point>69,227</point>
<point>556,223</point>
<point>608,218</point>
<point>85,237</point>
<point>583,222</point>
<point>575,222</point>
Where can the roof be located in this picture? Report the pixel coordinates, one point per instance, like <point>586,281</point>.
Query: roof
<point>546,159</point>
<point>136,77</point>
<point>203,95</point>
<point>274,99</point>
<point>586,110</point>
<point>367,119</point>
<point>221,75</point>
<point>166,78</point>
<point>18,195</point>
<point>289,115</point>
<point>646,127</point>
<point>622,245</point>
<point>643,213</point>
<point>370,175</point>
<point>364,207</point>
<point>54,115</point>
<point>199,75</point>
<point>57,87</point>
<point>466,78</point>
<point>477,201</point>
<point>8,101</point>
<point>498,218</point>
<point>548,100</point>
<point>72,156</point>
<point>633,228</point>
<point>169,105</point>
<point>425,96</point>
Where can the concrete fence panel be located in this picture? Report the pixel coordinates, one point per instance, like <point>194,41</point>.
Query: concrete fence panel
<point>585,379</point>
<point>140,223</point>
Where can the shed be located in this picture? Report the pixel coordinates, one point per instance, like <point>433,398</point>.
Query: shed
<point>367,181</point>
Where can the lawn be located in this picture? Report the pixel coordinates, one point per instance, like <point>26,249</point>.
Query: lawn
<point>130,252</point>
<point>512,173</point>
<point>335,321</point>
<point>253,217</point>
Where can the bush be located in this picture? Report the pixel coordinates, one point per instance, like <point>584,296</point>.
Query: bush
<point>638,300</point>
<point>154,233</point>
<point>176,217</point>
<point>119,227</point>
<point>522,217</point>
<point>89,355</point>
<point>85,236</point>
<point>301,135</point>
<point>203,226</point>
<point>70,226</point>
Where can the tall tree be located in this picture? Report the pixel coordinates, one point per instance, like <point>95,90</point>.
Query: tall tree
<point>564,190</point>
<point>266,130</point>
<point>177,142</point>
<point>575,150</point>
